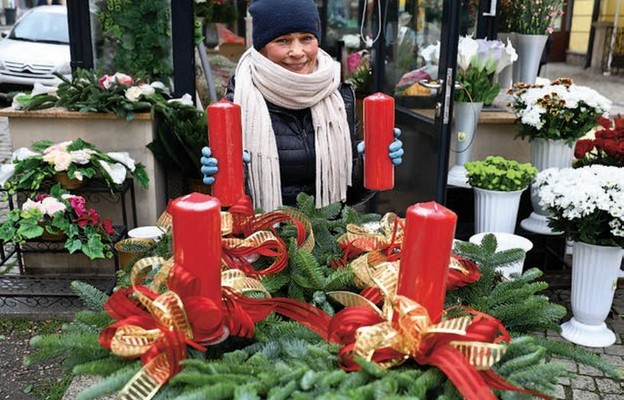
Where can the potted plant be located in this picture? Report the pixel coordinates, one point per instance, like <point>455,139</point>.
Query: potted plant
<point>70,163</point>
<point>478,60</point>
<point>586,205</point>
<point>498,184</point>
<point>60,216</point>
<point>606,148</point>
<point>552,117</point>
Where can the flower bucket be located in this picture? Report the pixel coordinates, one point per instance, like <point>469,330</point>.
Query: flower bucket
<point>496,211</point>
<point>66,182</point>
<point>130,250</point>
<point>466,120</point>
<point>530,49</point>
<point>507,241</point>
<point>546,154</point>
<point>595,271</point>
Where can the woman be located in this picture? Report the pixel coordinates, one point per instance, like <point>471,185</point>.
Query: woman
<point>299,121</point>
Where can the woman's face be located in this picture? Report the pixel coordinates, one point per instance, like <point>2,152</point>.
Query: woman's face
<point>295,51</point>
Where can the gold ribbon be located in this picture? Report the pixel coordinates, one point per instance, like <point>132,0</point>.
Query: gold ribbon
<point>369,237</point>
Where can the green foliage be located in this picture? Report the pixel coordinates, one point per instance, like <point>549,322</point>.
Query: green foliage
<point>140,33</point>
<point>498,173</point>
<point>476,86</point>
<point>83,93</point>
<point>91,296</point>
<point>181,134</point>
<point>514,302</point>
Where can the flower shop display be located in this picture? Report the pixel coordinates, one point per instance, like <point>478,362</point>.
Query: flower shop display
<point>159,306</point>
<point>606,148</point>
<point>71,162</point>
<point>587,205</point>
<point>552,117</point>
<point>64,215</point>
<point>477,63</point>
<point>530,23</point>
<point>498,184</point>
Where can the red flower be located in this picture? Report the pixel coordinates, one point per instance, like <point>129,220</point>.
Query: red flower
<point>41,196</point>
<point>108,227</point>
<point>583,146</point>
<point>610,147</point>
<point>94,216</point>
<point>608,134</point>
<point>604,122</point>
<point>619,122</point>
<point>78,205</point>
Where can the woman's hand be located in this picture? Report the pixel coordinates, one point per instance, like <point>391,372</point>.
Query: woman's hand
<point>395,150</point>
<point>209,165</point>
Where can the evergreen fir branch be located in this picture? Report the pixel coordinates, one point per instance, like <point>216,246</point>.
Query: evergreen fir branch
<point>111,384</point>
<point>103,366</point>
<point>96,319</point>
<point>49,347</point>
<point>339,279</point>
<point>92,297</point>
<point>579,355</point>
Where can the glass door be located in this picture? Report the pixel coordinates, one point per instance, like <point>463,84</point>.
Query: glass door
<point>406,66</point>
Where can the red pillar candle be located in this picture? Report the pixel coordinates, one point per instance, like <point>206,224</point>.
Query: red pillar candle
<point>378,135</point>
<point>226,142</point>
<point>197,240</point>
<point>425,255</point>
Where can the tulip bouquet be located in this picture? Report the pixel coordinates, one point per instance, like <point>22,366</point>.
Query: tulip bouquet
<point>478,60</point>
<point>79,159</point>
<point>62,214</point>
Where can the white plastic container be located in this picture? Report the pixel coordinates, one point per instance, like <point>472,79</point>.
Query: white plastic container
<point>146,232</point>
<point>507,241</point>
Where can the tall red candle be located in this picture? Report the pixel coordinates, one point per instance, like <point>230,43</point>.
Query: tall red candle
<point>425,255</point>
<point>378,135</point>
<point>197,240</point>
<point>226,142</point>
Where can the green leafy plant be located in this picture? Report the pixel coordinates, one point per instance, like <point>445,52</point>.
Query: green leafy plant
<point>119,93</point>
<point>60,213</point>
<point>139,33</point>
<point>498,173</point>
<point>81,160</point>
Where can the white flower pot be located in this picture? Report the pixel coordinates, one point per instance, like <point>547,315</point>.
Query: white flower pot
<point>466,120</point>
<point>529,48</point>
<point>595,271</point>
<point>546,154</point>
<point>496,211</point>
<point>507,241</point>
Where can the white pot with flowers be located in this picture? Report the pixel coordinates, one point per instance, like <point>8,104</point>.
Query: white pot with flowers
<point>587,204</point>
<point>478,61</point>
<point>498,184</point>
<point>552,117</point>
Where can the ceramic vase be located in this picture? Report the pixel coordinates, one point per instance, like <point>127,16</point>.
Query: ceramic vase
<point>466,120</point>
<point>496,211</point>
<point>66,182</point>
<point>529,49</point>
<point>595,271</point>
<point>546,154</point>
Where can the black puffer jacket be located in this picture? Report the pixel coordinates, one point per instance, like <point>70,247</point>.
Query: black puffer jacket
<point>294,134</point>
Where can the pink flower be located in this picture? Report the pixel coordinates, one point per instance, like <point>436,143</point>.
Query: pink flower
<point>353,61</point>
<point>94,216</point>
<point>105,81</point>
<point>77,204</point>
<point>57,147</point>
<point>123,79</point>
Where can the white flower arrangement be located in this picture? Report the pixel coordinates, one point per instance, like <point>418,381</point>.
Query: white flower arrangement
<point>559,111</point>
<point>587,203</point>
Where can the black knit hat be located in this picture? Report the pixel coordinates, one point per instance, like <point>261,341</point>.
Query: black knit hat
<point>274,18</point>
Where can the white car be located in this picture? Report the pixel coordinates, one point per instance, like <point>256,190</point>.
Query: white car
<point>36,46</point>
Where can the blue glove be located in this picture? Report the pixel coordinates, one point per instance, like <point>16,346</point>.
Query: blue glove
<point>209,164</point>
<point>395,150</point>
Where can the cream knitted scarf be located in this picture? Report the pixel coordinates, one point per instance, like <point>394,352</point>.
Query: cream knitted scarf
<point>257,79</point>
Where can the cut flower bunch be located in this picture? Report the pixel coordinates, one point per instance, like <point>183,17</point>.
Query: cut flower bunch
<point>586,203</point>
<point>558,111</point>
<point>61,213</point>
<point>535,17</point>
<point>118,93</point>
<point>607,147</point>
<point>79,159</point>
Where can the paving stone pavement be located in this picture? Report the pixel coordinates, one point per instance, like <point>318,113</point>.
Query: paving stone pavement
<point>588,383</point>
